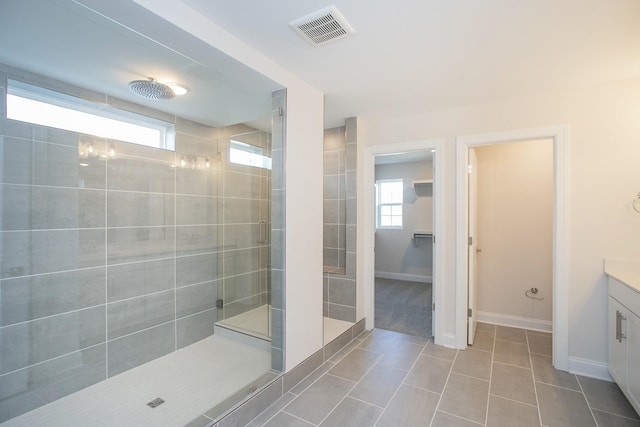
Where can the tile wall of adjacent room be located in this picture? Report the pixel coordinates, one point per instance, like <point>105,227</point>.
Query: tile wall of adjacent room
<point>340,286</point>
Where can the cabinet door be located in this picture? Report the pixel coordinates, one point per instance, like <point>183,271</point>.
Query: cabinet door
<point>633,369</point>
<point>617,348</point>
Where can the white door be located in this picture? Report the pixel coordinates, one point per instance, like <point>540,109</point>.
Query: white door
<point>433,250</point>
<point>472,269</point>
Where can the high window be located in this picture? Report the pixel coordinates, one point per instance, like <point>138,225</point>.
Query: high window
<point>249,155</point>
<point>33,104</point>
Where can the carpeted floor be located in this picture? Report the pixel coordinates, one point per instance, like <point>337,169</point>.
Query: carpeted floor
<point>403,306</point>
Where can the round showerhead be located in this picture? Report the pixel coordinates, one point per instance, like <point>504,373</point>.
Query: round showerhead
<point>151,89</point>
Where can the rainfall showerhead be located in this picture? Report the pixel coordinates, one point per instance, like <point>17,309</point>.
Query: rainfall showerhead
<point>151,89</point>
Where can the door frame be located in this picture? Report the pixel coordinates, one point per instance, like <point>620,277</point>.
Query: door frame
<point>560,284</point>
<point>438,226</point>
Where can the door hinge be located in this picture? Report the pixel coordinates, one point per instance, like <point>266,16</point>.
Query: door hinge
<point>433,308</point>
<point>280,111</point>
<point>469,312</point>
<point>470,240</point>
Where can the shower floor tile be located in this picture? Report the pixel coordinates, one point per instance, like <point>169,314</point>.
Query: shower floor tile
<point>191,381</point>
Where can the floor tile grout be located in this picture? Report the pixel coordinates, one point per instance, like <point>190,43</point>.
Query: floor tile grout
<point>493,353</point>
<point>535,389</point>
<point>435,412</point>
<point>402,382</point>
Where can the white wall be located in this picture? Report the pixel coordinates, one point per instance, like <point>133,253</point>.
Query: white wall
<point>395,255</point>
<point>515,230</point>
<point>604,149</point>
<point>303,170</point>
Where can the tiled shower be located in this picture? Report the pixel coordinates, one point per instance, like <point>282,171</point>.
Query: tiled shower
<point>113,254</point>
<point>340,191</point>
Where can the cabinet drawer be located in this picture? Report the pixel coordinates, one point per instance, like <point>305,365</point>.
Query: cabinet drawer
<point>625,295</point>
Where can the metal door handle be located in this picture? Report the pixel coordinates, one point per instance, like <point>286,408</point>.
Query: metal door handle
<point>262,231</point>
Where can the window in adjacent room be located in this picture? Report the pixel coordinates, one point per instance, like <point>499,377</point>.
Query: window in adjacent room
<point>389,198</point>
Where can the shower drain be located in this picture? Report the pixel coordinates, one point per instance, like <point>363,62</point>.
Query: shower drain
<point>155,402</point>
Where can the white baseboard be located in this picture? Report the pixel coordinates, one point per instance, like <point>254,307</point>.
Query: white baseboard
<point>589,368</point>
<point>448,340</point>
<point>403,276</point>
<point>514,321</point>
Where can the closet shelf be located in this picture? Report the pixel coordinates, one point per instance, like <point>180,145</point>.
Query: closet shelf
<point>421,235</point>
<point>421,182</point>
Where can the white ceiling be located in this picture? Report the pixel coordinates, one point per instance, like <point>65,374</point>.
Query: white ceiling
<point>411,56</point>
<point>99,45</point>
<point>406,56</point>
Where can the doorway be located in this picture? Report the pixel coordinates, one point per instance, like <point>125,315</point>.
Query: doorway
<point>559,136</point>
<point>404,242</point>
<point>407,149</point>
<point>510,229</point>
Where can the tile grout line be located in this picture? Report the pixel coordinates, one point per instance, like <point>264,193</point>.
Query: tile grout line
<point>401,382</point>
<point>351,389</point>
<point>584,395</point>
<point>533,377</point>
<point>493,353</point>
<point>453,362</point>
<point>463,418</point>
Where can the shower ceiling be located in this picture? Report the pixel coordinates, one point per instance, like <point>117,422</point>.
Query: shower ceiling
<point>41,36</point>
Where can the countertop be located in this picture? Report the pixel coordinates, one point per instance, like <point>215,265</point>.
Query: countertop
<point>624,271</point>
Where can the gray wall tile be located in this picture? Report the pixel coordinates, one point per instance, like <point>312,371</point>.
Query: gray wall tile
<point>242,185</point>
<point>242,211</point>
<point>138,174</point>
<point>242,286</point>
<point>196,298</point>
<point>37,208</point>
<point>193,269</point>
<point>240,261</point>
<point>201,182</point>
<point>32,297</point>
<point>47,251</point>
<point>196,327</point>
<point>243,236</point>
<point>131,209</point>
<point>36,341</point>
<point>198,239</point>
<point>135,279</point>
<point>197,210</point>
<point>241,306</point>
<point>134,350</point>
<point>139,244</point>
<point>342,291</point>
<point>132,315</point>
<point>40,163</point>
<point>342,312</point>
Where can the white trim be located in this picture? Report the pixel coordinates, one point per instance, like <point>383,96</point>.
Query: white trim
<point>560,136</point>
<point>589,368</point>
<point>448,340</point>
<point>403,276</point>
<point>514,321</point>
<point>368,231</point>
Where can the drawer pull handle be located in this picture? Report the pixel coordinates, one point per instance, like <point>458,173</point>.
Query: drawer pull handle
<point>619,318</point>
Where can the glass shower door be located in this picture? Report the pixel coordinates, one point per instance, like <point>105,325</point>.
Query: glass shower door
<point>244,294</point>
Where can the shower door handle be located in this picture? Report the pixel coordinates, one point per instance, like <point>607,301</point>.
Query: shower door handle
<point>262,231</point>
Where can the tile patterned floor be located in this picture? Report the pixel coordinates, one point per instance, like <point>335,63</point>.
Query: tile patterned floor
<point>386,378</point>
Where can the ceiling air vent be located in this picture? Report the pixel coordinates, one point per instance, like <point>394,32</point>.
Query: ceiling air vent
<point>321,27</point>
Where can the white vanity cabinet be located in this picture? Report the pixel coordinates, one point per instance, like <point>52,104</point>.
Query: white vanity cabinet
<point>624,330</point>
<point>618,356</point>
